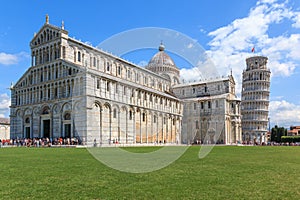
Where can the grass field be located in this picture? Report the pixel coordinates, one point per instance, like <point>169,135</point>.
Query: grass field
<point>226,173</point>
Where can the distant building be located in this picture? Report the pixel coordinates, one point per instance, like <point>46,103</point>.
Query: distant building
<point>4,128</point>
<point>255,99</point>
<point>73,89</point>
<point>294,130</point>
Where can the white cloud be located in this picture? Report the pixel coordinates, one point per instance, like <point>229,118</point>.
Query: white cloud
<point>4,105</point>
<point>204,70</point>
<point>8,59</point>
<point>284,113</point>
<point>11,59</point>
<point>296,20</point>
<point>281,69</point>
<point>192,74</point>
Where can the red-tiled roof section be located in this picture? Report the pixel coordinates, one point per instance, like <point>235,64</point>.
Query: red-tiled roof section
<point>5,121</point>
<point>293,131</point>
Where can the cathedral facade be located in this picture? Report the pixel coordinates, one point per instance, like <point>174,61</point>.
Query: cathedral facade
<point>73,90</point>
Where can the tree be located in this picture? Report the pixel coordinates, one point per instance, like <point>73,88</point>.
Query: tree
<point>277,132</point>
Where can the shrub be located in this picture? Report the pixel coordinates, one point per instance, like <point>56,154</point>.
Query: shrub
<point>290,139</point>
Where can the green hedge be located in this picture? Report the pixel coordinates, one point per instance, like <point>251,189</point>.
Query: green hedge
<point>290,139</point>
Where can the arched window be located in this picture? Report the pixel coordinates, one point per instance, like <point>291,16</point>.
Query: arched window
<point>45,110</point>
<point>79,56</point>
<point>115,113</point>
<point>98,84</point>
<point>48,93</point>
<point>55,93</point>
<point>119,70</point>
<point>107,66</point>
<point>27,120</point>
<point>128,73</point>
<point>144,117</point>
<point>107,86</point>
<point>67,116</point>
<point>130,115</point>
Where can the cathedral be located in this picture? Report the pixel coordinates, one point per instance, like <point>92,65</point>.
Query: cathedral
<point>74,90</point>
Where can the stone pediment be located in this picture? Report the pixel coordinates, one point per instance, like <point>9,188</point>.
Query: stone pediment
<point>46,33</point>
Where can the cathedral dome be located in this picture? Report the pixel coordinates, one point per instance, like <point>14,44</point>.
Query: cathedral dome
<point>161,58</point>
<point>162,64</point>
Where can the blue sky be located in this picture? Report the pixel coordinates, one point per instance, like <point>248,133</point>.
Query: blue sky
<point>227,30</point>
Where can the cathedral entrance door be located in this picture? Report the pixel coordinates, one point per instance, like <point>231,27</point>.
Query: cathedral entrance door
<point>46,128</point>
<point>27,132</point>
<point>68,130</point>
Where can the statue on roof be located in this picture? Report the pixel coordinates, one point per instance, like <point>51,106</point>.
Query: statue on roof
<point>47,19</point>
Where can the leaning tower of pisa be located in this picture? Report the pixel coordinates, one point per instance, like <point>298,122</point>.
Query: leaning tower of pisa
<point>255,99</point>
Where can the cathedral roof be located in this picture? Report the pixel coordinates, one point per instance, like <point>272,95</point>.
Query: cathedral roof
<point>161,63</point>
<point>161,58</point>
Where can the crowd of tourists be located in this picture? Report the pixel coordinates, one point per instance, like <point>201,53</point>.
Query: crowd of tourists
<point>40,142</point>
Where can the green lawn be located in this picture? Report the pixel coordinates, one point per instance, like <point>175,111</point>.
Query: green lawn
<point>226,173</point>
